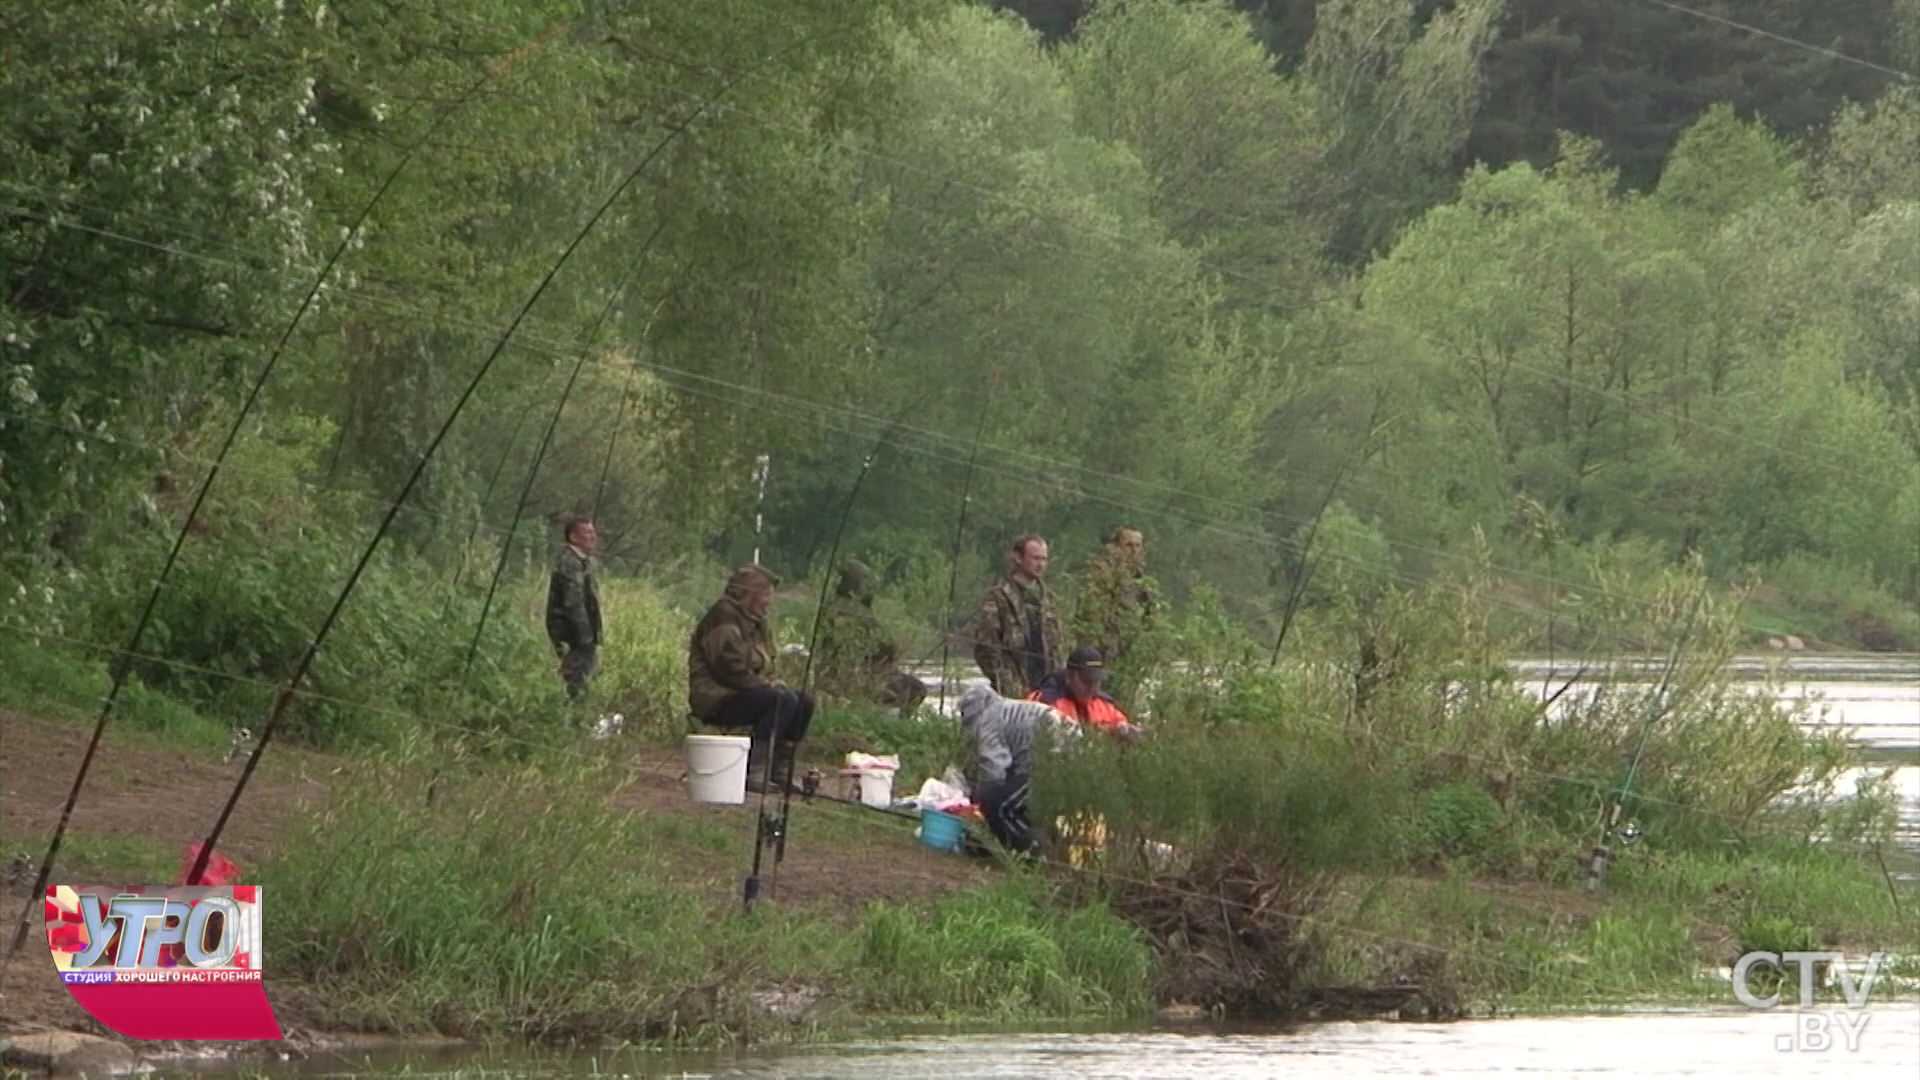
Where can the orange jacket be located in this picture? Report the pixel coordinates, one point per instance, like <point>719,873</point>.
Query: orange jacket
<point>1101,712</point>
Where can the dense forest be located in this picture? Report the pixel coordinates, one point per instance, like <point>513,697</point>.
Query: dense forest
<point>1586,284</point>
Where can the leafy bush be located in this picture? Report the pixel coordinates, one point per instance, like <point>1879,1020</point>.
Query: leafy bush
<point>1455,821</point>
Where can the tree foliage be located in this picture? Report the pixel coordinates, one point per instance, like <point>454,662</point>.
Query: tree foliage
<point>1460,273</point>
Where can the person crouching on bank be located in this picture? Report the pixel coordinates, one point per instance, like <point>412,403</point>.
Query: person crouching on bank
<point>999,736</point>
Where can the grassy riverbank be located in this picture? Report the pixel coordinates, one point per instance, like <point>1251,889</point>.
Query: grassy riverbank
<point>1341,827</point>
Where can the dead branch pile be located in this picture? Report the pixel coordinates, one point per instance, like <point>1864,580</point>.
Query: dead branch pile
<point>1230,933</point>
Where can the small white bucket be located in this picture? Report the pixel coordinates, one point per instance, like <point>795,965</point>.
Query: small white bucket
<point>876,785</point>
<point>717,768</point>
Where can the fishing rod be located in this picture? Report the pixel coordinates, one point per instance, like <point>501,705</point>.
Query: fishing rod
<point>1610,814</point>
<point>810,791</point>
<point>959,537</point>
<point>773,830</point>
<point>287,692</point>
<point>626,399</point>
<point>123,667</point>
<point>479,517</point>
<point>1303,569</point>
<point>546,440</point>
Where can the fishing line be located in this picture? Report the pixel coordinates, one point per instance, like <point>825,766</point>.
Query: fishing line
<point>1210,523</point>
<point>1017,474</point>
<point>1043,466</point>
<point>486,498</point>
<point>546,440</point>
<point>502,738</point>
<point>1178,517</point>
<point>633,370</point>
<point>775,831</point>
<point>1303,569</point>
<point>307,654</point>
<point>1553,376</point>
<point>1121,239</point>
<point>1903,76</point>
<point>1657,707</point>
<point>121,669</point>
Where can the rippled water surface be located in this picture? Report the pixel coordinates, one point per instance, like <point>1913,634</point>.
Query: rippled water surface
<point>1646,1046</point>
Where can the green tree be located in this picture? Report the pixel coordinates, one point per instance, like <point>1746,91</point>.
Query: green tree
<point>159,196</point>
<point>1236,152</point>
<point>1400,93</point>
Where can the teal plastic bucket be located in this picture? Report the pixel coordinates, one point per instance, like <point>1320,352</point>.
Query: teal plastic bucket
<point>941,831</point>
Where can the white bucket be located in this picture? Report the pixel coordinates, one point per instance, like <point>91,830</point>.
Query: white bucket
<point>717,768</point>
<point>876,787</point>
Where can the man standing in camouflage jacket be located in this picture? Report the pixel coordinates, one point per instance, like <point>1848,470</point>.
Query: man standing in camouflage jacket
<point>573,606</point>
<point>1016,635</point>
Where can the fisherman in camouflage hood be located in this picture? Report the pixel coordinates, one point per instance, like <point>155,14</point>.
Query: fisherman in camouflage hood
<point>857,660</point>
<point>1118,605</point>
<point>732,682</point>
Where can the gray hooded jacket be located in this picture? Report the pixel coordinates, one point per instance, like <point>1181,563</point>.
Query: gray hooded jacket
<point>1000,733</point>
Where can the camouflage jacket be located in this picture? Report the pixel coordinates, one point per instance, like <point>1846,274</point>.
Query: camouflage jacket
<point>855,655</point>
<point>573,600</point>
<point>1000,638</point>
<point>729,651</point>
<point>1118,606</point>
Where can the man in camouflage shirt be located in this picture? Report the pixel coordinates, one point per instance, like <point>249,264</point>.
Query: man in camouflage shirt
<point>1016,634</point>
<point>857,660</point>
<point>573,606</point>
<point>1117,606</point>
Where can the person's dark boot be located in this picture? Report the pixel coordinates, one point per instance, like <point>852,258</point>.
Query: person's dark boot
<point>757,767</point>
<point>782,782</point>
<point>783,757</point>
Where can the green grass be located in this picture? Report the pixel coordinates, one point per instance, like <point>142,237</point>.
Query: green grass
<point>1003,954</point>
<point>52,679</point>
<point>524,905</point>
<point>1661,921</point>
<point>86,859</point>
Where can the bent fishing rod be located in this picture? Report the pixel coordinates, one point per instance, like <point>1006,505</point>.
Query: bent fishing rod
<point>486,496</point>
<point>959,538</point>
<point>546,440</point>
<point>1305,564</point>
<point>1656,708</point>
<point>307,655</point>
<point>627,394</point>
<point>773,830</point>
<point>124,664</point>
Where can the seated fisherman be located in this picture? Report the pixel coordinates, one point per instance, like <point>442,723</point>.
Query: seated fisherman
<point>999,735</point>
<point>1075,693</point>
<point>731,682</point>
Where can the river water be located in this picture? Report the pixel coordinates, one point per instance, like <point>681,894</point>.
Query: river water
<point>1647,1045</point>
<point>1876,697</point>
